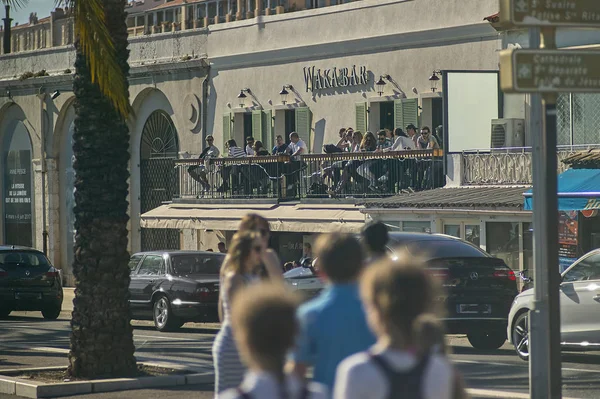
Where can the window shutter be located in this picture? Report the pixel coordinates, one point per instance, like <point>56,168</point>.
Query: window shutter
<point>257,128</point>
<point>226,130</point>
<point>303,119</point>
<point>410,111</point>
<point>267,130</point>
<point>361,117</point>
<point>399,115</point>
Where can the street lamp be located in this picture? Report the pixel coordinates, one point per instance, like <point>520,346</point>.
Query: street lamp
<point>434,79</point>
<point>242,98</point>
<point>284,93</point>
<point>380,86</point>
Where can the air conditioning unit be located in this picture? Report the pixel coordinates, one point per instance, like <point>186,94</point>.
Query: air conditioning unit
<point>507,133</point>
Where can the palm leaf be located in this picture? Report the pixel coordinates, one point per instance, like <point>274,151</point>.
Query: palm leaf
<point>97,45</point>
<point>14,3</point>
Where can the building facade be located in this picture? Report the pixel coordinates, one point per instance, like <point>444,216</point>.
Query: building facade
<point>227,77</point>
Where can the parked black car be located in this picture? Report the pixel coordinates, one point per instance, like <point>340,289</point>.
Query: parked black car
<point>478,288</point>
<point>175,287</point>
<point>28,282</point>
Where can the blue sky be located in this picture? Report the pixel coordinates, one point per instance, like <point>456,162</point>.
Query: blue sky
<point>21,15</point>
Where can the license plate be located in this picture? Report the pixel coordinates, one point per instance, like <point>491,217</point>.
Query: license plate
<point>474,309</point>
<point>28,295</point>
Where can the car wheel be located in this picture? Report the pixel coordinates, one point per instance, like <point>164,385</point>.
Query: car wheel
<point>4,313</point>
<point>487,339</point>
<point>164,320</point>
<point>51,313</point>
<point>520,335</point>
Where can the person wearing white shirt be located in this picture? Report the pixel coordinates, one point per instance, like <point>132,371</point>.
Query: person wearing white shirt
<point>398,295</point>
<point>296,146</point>
<point>402,142</point>
<point>250,146</point>
<point>263,317</point>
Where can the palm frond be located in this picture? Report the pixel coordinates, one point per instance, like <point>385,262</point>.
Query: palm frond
<point>97,45</point>
<point>14,3</point>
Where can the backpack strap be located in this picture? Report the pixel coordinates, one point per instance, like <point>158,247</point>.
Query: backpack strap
<point>242,394</point>
<point>403,384</point>
<point>305,393</point>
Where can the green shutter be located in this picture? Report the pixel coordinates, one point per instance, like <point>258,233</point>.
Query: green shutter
<point>361,117</point>
<point>398,115</point>
<point>257,120</point>
<point>410,111</point>
<point>303,129</point>
<point>226,131</point>
<point>267,130</point>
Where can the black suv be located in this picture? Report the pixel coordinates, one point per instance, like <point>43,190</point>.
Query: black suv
<point>479,289</point>
<point>28,282</point>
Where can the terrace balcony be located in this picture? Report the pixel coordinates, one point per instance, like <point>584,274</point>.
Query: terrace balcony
<point>316,178</point>
<point>507,166</point>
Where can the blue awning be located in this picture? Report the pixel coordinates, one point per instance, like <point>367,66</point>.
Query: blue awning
<point>578,189</point>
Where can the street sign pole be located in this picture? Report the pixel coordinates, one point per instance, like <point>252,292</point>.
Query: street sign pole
<point>544,342</point>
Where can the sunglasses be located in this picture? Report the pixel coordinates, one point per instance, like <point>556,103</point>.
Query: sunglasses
<point>382,138</point>
<point>209,140</point>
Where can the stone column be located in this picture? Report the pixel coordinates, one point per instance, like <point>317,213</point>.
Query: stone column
<point>238,14</point>
<point>268,9</point>
<point>218,12</point>
<point>259,8</point>
<point>248,10</point>
<point>206,15</point>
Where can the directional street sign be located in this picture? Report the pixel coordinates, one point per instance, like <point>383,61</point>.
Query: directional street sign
<point>550,71</point>
<point>582,13</point>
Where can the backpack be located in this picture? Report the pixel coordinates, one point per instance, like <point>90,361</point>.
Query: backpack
<point>403,384</point>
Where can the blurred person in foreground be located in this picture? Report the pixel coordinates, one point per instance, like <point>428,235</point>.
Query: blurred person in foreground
<point>333,326</point>
<point>375,236</point>
<point>266,327</point>
<point>240,266</point>
<point>271,264</point>
<point>408,361</point>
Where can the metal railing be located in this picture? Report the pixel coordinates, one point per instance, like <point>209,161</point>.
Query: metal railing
<point>281,178</point>
<point>508,166</point>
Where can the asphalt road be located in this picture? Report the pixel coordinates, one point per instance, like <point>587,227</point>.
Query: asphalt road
<point>26,340</point>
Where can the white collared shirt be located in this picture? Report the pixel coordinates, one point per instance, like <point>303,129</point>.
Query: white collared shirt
<point>263,385</point>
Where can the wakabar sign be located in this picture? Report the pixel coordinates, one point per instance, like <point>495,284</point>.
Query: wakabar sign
<point>320,79</point>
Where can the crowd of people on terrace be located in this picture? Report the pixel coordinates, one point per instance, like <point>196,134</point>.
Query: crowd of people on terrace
<point>372,333</point>
<point>378,175</point>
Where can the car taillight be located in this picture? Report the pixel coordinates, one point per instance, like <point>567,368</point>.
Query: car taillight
<point>3,273</point>
<point>51,274</point>
<point>505,273</point>
<point>203,292</point>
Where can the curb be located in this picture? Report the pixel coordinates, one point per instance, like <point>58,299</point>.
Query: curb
<point>488,393</point>
<point>30,389</point>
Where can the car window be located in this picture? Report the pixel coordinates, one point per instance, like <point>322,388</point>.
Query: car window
<point>152,265</point>
<point>435,249</point>
<point>134,261</point>
<point>187,264</point>
<point>298,272</point>
<point>587,269</point>
<point>23,259</point>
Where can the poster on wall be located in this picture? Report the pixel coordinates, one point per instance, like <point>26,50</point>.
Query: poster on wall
<point>17,199</point>
<point>567,239</point>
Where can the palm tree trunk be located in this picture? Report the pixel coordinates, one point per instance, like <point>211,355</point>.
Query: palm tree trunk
<point>101,338</point>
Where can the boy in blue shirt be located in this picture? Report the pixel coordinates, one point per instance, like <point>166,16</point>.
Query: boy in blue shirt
<point>333,326</point>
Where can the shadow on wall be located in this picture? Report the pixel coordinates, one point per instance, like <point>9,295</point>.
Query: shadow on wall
<point>319,136</point>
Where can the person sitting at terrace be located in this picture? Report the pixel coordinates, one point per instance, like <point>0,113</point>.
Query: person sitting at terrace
<point>280,147</point>
<point>426,141</point>
<point>368,144</point>
<point>296,146</point>
<point>259,149</point>
<point>402,142</point>
<point>198,172</point>
<point>233,151</point>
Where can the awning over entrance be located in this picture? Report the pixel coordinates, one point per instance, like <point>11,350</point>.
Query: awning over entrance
<point>578,189</point>
<point>283,217</point>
